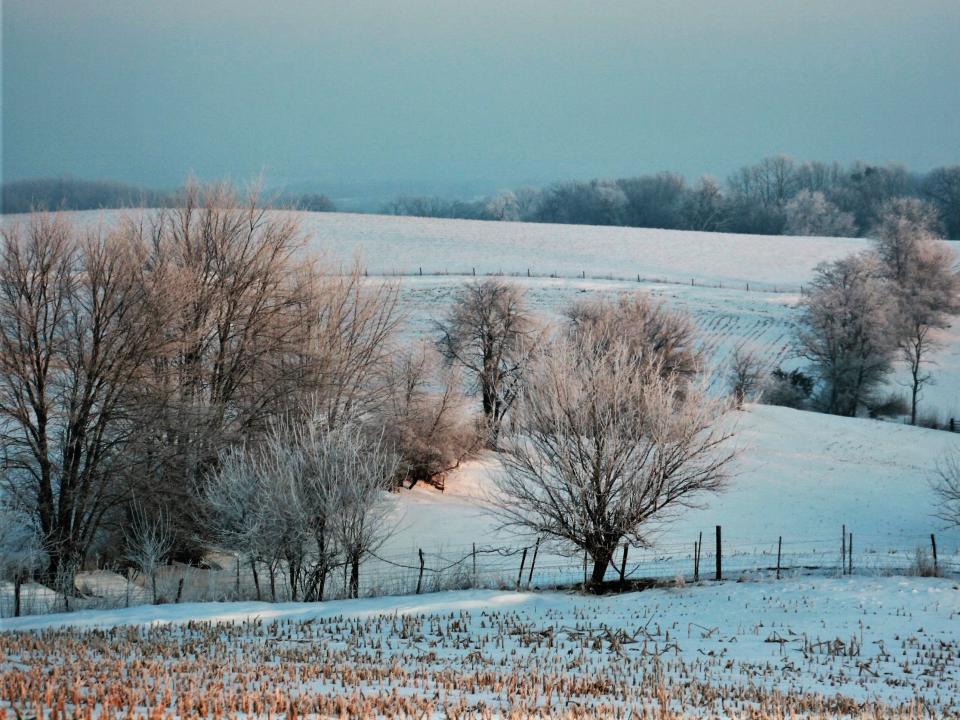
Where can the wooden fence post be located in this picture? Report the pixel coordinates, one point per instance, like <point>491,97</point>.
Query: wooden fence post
<point>843,550</point>
<point>719,561</point>
<point>779,548</point>
<point>420,576</point>
<point>179,591</point>
<point>523,560</point>
<point>696,567</point>
<point>533,562</point>
<point>474,553</point>
<point>696,574</point>
<point>850,554</point>
<point>933,543</point>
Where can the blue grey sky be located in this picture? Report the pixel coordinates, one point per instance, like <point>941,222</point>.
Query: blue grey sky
<point>427,95</point>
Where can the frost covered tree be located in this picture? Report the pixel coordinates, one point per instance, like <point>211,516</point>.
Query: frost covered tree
<point>846,328</point>
<point>652,331</point>
<point>810,213</point>
<point>425,418</point>
<point>925,284</point>
<point>602,446</point>
<point>307,498</point>
<point>360,471</point>
<point>703,207</point>
<point>744,375</point>
<point>503,206</point>
<point>148,541</point>
<point>21,551</point>
<point>491,333</point>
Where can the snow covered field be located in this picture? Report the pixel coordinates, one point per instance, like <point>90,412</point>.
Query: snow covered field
<point>611,258</point>
<point>880,647</point>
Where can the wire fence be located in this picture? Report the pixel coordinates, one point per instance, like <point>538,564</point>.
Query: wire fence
<point>713,283</point>
<point>536,565</point>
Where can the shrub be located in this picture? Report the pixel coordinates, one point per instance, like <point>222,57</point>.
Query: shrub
<point>787,389</point>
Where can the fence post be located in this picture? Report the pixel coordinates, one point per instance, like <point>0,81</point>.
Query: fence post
<point>933,542</point>
<point>779,548</point>
<point>420,576</point>
<point>843,550</point>
<point>238,577</point>
<point>523,561</point>
<point>850,554</point>
<point>584,568</point>
<point>179,591</point>
<point>536,549</point>
<point>474,554</point>
<point>719,561</point>
<point>696,566</point>
<point>696,573</point>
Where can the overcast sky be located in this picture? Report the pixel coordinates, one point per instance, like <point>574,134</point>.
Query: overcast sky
<point>492,94</point>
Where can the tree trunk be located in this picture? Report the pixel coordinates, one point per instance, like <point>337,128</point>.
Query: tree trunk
<point>17,585</point>
<point>601,559</point>
<point>913,403</point>
<point>355,577</point>
<point>256,577</point>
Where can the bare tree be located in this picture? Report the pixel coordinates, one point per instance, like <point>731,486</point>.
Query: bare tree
<point>342,345</point>
<point>80,318</point>
<point>744,375</point>
<point>491,333</point>
<point>148,539</point>
<point>240,343</point>
<point>942,186</point>
<point>603,446</point>
<point>946,485</point>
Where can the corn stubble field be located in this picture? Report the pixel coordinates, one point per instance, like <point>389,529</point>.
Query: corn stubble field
<point>815,648</point>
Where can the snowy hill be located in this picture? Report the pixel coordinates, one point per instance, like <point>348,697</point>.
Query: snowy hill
<point>801,476</point>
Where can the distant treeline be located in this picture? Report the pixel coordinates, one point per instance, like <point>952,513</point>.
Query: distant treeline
<point>20,196</point>
<point>776,196</point>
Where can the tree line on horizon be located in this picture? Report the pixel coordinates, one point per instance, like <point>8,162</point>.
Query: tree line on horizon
<point>69,193</point>
<point>776,196</point>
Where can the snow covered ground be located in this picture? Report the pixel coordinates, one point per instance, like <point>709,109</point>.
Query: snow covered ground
<point>820,647</point>
<point>800,476</point>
